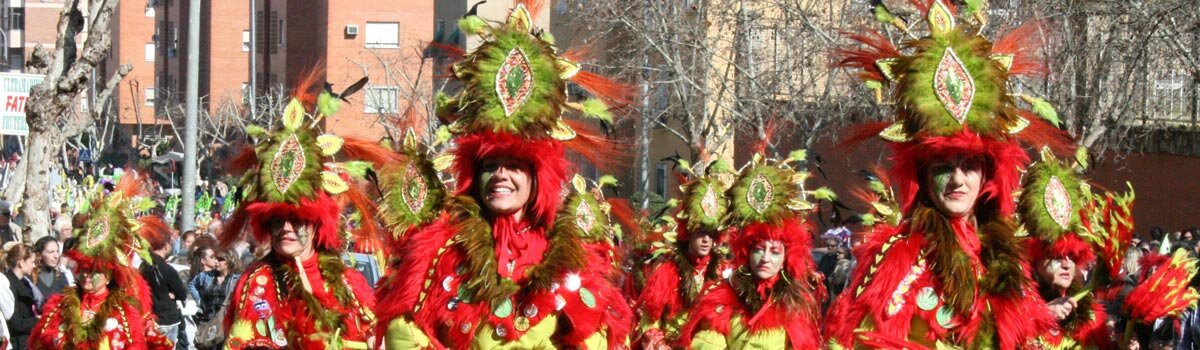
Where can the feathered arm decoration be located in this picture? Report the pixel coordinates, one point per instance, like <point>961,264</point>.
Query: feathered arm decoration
<point>1165,292</point>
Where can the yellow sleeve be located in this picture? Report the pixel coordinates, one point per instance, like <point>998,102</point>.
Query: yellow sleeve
<point>598,341</point>
<point>403,334</point>
<point>709,340</point>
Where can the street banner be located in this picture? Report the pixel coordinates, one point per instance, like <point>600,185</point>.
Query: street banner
<point>14,90</point>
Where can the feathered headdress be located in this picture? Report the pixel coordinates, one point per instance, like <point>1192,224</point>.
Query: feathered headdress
<point>952,98</point>
<point>1052,203</point>
<point>704,205</point>
<point>112,229</point>
<point>290,173</point>
<point>512,105</point>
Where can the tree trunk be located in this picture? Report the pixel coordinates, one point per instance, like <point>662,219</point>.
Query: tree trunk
<point>39,155</point>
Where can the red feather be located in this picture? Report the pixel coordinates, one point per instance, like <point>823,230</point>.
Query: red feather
<point>1165,292</point>
<point>602,152</point>
<point>368,238</point>
<point>243,161</point>
<point>368,151</point>
<point>310,84</point>
<point>451,52</point>
<point>534,6</point>
<point>877,47</point>
<point>612,92</point>
<point>624,214</point>
<point>1025,44</point>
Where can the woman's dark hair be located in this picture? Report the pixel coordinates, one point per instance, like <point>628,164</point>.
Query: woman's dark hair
<point>40,245</point>
<point>69,243</point>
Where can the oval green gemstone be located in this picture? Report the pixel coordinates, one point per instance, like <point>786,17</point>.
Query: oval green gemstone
<point>588,299</point>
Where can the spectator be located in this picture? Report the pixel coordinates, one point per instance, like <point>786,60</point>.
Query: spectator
<point>51,278</point>
<point>66,261</point>
<point>63,229</point>
<point>205,261</point>
<point>7,302</point>
<point>166,289</point>
<point>184,249</point>
<point>1187,236</point>
<point>216,284</point>
<point>9,232</point>
<point>214,227</point>
<point>20,260</point>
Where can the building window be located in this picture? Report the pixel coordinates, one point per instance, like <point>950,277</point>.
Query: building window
<point>150,52</point>
<point>381,100</point>
<point>151,95</point>
<point>383,34</point>
<point>245,41</point>
<point>18,18</point>
<point>660,180</point>
<point>150,9</point>
<point>282,33</point>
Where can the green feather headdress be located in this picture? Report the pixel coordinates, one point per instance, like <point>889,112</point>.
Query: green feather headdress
<point>770,191</point>
<point>412,190</point>
<point>1052,198</point>
<point>953,78</point>
<point>516,82</point>
<point>114,229</point>
<point>704,203</point>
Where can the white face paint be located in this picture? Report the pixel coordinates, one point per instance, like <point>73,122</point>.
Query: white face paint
<point>766,259</point>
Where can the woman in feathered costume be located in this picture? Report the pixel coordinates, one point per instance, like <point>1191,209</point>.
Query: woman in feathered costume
<point>692,266</point>
<point>517,255</point>
<point>110,307</point>
<point>1053,202</point>
<point>952,272</point>
<point>773,298</point>
<point>301,294</point>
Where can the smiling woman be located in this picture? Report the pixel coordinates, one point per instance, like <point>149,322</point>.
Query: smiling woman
<point>505,185</point>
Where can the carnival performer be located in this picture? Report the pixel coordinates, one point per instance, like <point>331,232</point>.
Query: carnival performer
<point>110,306</point>
<point>951,273</point>
<point>301,294</point>
<point>1054,209</point>
<point>692,264</point>
<point>517,255</point>
<point>773,298</point>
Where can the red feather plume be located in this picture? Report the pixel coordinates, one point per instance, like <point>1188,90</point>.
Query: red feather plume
<point>1165,292</point>
<point>608,90</point>
<point>877,47</point>
<point>1025,44</point>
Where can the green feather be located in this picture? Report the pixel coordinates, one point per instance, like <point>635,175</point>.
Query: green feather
<point>357,169</point>
<point>596,109</point>
<point>868,219</point>
<point>877,187</point>
<point>1081,157</point>
<point>548,37</point>
<point>472,24</point>
<point>443,135</point>
<point>883,15</point>
<point>874,84</point>
<point>798,155</point>
<point>255,131</point>
<point>718,166</point>
<point>672,203</point>
<point>606,180</point>
<point>824,193</point>
<point>685,165</point>
<point>1043,109</point>
<point>974,6</point>
<point>327,105</point>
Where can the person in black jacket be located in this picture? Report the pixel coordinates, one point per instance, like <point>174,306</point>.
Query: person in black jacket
<point>20,260</point>
<point>165,289</point>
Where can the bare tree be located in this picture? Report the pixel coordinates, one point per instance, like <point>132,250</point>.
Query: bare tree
<point>68,68</point>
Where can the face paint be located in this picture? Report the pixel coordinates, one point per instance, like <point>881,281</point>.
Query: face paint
<point>766,259</point>
<point>303,235</point>
<point>941,177</point>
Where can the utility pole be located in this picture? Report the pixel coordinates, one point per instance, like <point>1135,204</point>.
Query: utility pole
<point>188,192</point>
<point>253,58</point>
